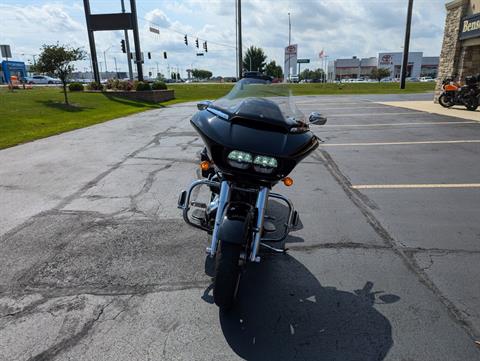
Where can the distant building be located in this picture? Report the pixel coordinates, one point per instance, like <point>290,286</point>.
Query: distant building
<point>352,68</point>
<point>418,65</point>
<point>355,68</point>
<point>460,55</point>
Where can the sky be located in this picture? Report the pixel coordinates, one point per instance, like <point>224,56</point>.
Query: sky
<point>342,28</point>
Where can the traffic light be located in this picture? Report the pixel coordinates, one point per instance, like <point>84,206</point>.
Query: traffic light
<point>149,55</point>
<point>196,43</point>
<point>165,55</point>
<point>205,46</point>
<point>122,44</point>
<point>186,40</point>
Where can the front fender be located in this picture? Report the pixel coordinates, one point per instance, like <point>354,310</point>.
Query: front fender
<point>236,223</point>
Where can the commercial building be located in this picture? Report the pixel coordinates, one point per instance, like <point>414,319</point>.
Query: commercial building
<point>418,65</point>
<point>460,55</point>
<point>354,68</point>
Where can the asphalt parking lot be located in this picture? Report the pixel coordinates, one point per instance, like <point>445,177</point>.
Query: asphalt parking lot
<point>97,264</point>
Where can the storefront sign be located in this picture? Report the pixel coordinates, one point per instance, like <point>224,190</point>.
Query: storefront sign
<point>470,27</point>
<point>386,59</point>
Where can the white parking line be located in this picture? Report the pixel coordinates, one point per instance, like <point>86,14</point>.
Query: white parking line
<point>416,186</point>
<point>396,124</point>
<point>401,143</point>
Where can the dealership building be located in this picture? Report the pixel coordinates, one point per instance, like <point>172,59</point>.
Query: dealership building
<point>460,55</point>
<point>354,68</point>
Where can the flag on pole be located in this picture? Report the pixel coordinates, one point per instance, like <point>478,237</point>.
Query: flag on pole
<point>321,54</point>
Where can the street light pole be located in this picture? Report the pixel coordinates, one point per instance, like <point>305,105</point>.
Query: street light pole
<point>289,43</point>
<point>239,38</point>
<point>406,45</point>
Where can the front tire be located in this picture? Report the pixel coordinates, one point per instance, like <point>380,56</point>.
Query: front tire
<point>445,101</point>
<point>472,103</point>
<point>227,274</point>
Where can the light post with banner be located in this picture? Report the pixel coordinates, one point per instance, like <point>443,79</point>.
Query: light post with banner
<point>290,59</point>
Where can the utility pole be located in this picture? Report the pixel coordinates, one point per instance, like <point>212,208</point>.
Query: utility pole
<point>239,38</point>
<point>116,69</point>
<point>289,43</point>
<point>406,45</point>
<point>127,47</point>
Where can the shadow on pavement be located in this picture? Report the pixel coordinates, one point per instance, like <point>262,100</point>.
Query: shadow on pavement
<point>284,313</point>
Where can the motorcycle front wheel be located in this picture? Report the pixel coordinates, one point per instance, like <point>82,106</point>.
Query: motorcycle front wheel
<point>227,274</point>
<point>471,103</point>
<point>445,101</point>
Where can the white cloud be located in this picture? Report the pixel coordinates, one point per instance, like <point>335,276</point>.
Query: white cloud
<point>343,28</point>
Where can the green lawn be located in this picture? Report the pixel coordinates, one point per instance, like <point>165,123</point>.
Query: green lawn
<point>37,113</point>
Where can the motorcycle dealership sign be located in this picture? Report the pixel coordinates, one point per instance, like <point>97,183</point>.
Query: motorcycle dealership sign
<point>470,27</point>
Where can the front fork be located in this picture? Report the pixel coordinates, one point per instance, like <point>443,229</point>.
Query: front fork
<point>260,205</point>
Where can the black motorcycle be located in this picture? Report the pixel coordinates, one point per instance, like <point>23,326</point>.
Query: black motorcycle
<point>254,137</point>
<point>467,95</point>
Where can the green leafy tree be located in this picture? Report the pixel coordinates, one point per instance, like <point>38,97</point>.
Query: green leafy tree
<point>254,59</point>
<point>57,60</point>
<point>274,70</point>
<point>312,74</point>
<point>201,74</point>
<point>379,73</point>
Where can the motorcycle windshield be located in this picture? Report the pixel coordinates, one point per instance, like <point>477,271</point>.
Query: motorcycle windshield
<point>262,100</point>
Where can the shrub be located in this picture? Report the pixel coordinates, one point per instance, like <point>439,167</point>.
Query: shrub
<point>141,86</point>
<point>112,83</point>
<point>95,86</point>
<point>75,87</point>
<point>125,85</point>
<point>159,85</point>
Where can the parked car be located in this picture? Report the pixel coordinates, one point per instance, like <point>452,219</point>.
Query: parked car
<point>42,79</point>
<point>413,79</point>
<point>426,79</point>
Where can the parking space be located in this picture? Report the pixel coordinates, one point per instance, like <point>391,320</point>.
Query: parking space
<point>97,263</point>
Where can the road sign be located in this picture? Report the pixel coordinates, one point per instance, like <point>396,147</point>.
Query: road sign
<point>303,61</point>
<point>6,53</point>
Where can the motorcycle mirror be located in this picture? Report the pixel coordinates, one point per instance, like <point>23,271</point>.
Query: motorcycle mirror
<point>204,104</point>
<point>317,118</point>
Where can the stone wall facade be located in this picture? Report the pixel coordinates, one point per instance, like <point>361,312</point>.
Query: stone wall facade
<point>458,58</point>
<point>451,46</point>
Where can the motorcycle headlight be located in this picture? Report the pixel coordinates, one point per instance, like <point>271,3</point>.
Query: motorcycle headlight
<point>240,159</point>
<point>263,164</point>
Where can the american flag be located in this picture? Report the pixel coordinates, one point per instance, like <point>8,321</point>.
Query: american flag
<point>321,54</point>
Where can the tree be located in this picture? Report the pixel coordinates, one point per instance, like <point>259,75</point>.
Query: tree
<point>312,74</point>
<point>274,70</point>
<point>201,74</point>
<point>254,59</point>
<point>57,60</point>
<point>380,73</point>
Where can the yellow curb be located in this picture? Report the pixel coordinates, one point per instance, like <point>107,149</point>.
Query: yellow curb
<point>430,107</point>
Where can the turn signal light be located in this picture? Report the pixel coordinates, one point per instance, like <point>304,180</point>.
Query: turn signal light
<point>287,181</point>
<point>205,165</point>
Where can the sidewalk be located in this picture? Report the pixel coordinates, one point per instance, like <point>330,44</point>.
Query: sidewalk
<point>430,107</point>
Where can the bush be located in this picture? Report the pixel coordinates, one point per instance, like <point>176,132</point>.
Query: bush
<point>95,86</point>
<point>75,87</point>
<point>159,85</point>
<point>141,86</point>
<point>112,83</point>
<point>125,85</point>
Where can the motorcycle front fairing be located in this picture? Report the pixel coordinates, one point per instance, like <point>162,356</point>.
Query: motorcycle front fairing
<point>269,126</point>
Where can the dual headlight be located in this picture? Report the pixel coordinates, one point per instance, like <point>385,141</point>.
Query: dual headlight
<point>244,160</point>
